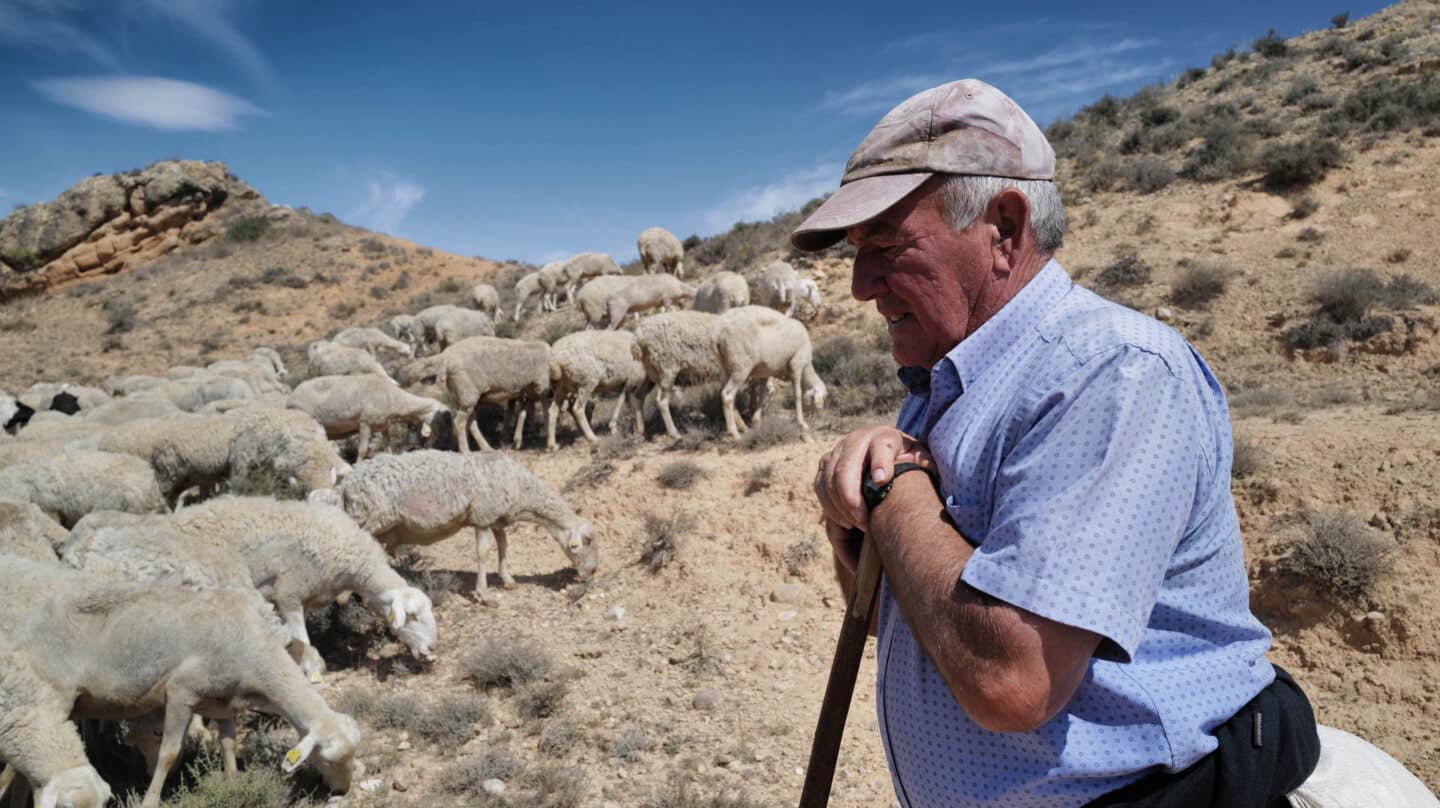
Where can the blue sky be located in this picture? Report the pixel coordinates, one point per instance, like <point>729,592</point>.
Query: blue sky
<point>536,130</point>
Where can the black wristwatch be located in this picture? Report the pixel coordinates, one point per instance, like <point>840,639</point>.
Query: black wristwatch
<point>874,494</point>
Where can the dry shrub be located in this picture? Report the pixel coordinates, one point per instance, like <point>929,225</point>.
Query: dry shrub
<point>1199,284</point>
<point>252,788</point>
<point>631,743</point>
<point>590,476</point>
<point>1247,460</point>
<point>800,555</point>
<point>663,537</point>
<point>1339,554</point>
<point>1126,270</point>
<point>680,475</point>
<point>507,662</point>
<point>558,736</point>
<point>759,479</point>
<point>772,431</point>
<point>679,792</point>
<point>859,373</point>
<point>448,721</point>
<point>542,698</point>
<point>1259,399</point>
<point>466,776</point>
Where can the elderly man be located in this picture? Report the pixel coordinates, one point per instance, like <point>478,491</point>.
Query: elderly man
<point>1064,614</point>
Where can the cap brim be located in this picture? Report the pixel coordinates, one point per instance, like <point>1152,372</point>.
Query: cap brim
<point>855,202</point>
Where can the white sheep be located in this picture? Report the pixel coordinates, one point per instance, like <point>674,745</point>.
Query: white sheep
<point>580,268</point>
<point>490,370</point>
<point>722,291</point>
<point>487,299</point>
<point>70,483</point>
<point>780,285</point>
<point>676,348</point>
<point>26,531</point>
<point>373,340</point>
<point>608,300</point>
<point>39,742</point>
<point>263,370</point>
<point>306,554</point>
<point>404,328</point>
<point>193,393</point>
<point>754,343</point>
<point>527,287</point>
<point>659,249</point>
<point>204,652</point>
<point>587,363</point>
<point>329,359</point>
<point>347,405</point>
<point>426,496</point>
<point>445,325</point>
<point>553,280</point>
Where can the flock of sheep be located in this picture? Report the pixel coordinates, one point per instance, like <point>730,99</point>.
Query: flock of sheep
<point>117,534</point>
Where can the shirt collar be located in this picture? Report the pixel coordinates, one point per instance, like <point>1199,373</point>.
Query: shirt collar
<point>972,357</point>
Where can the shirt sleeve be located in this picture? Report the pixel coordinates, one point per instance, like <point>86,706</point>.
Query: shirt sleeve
<point>1094,496</point>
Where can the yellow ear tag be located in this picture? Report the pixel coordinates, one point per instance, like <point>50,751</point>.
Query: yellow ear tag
<point>293,756</point>
<point>390,615</point>
<point>314,680</point>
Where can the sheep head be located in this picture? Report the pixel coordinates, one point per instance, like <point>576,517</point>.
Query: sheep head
<point>337,737</point>
<point>579,543</point>
<point>814,388</point>
<point>409,614</point>
<point>80,787</point>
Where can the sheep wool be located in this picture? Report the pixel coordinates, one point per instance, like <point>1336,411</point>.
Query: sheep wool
<point>722,291</point>
<point>676,348</point>
<point>661,250</point>
<point>587,363</point>
<point>755,343</point>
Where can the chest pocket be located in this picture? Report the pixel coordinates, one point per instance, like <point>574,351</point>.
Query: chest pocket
<point>971,518</point>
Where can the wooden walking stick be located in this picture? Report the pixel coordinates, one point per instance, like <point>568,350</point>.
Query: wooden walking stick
<point>820,774</point>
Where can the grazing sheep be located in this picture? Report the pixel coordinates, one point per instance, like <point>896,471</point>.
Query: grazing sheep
<point>329,359</point>
<point>753,343</point>
<point>445,325</point>
<point>346,405</point>
<point>527,287</point>
<point>676,348</point>
<point>70,483</point>
<point>583,267</point>
<point>489,370</point>
<point>287,442</point>
<point>780,285</point>
<point>487,299</point>
<point>610,299</point>
<point>39,742</point>
<point>425,496</point>
<point>192,393</point>
<point>553,279</point>
<point>587,363</point>
<point>306,554</point>
<point>205,653</point>
<point>129,385</point>
<point>26,531</point>
<point>404,328</point>
<point>373,340</point>
<point>659,249</point>
<point>263,370</point>
<point>40,395</point>
<point>722,291</point>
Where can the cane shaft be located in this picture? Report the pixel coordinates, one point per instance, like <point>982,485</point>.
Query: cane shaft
<point>820,774</point>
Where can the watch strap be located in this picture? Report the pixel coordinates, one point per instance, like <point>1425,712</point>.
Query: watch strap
<point>874,493</point>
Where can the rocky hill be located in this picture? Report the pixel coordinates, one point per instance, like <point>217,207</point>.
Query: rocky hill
<point>1277,206</point>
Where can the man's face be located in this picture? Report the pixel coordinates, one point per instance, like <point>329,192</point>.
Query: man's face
<point>929,282</point>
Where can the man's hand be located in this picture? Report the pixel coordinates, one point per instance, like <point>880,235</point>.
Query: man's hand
<point>875,451</point>
<point>846,544</point>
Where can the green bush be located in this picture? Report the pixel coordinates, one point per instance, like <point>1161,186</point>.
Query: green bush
<point>248,228</point>
<point>1225,152</point>
<point>1340,20</point>
<point>1385,106</point>
<point>21,259</point>
<point>1148,175</point>
<point>1271,45</point>
<point>1298,164</point>
<point>1189,77</point>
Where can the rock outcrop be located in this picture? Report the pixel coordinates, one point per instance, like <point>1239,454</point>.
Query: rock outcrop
<point>106,223</point>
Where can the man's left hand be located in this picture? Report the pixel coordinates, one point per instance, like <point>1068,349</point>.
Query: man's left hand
<point>874,451</point>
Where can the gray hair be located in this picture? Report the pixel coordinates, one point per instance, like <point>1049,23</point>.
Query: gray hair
<point>965,197</point>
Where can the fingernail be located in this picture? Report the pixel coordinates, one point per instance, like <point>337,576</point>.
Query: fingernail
<point>878,475</point>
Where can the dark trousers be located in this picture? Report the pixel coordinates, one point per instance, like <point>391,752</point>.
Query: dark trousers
<point>1266,751</point>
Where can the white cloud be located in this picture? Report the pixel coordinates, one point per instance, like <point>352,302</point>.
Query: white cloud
<point>208,19</point>
<point>765,201</point>
<point>159,103</point>
<point>387,202</point>
<point>1069,55</point>
<point>878,96</point>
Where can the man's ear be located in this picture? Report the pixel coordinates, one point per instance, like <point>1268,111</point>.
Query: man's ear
<point>1009,213</point>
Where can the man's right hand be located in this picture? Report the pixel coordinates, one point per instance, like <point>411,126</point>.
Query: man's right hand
<point>874,450</point>
<point>846,544</point>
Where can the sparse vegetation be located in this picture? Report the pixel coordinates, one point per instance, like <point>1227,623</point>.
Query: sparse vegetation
<point>680,475</point>
<point>506,662</point>
<point>21,259</point>
<point>447,721</point>
<point>558,737</point>
<point>248,229</point>
<point>771,431</point>
<point>759,479</point>
<point>372,246</point>
<point>1247,460</point>
<point>799,556</point>
<point>860,376</point>
<point>663,538</point>
<point>1126,270</point>
<point>1199,284</point>
<point>1298,164</point>
<point>1338,553</point>
<point>632,742</point>
<point>1304,206</point>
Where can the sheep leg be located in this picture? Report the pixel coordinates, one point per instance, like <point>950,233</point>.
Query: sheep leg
<point>310,663</point>
<point>662,400</point>
<point>577,409</point>
<point>362,444</point>
<point>177,718</point>
<point>506,579</point>
<point>227,747</point>
<point>617,310</point>
<point>520,424</point>
<point>20,794</point>
<point>472,425</point>
<point>727,404</point>
<point>483,538</point>
<point>619,408</point>
<point>799,402</point>
<point>551,413</point>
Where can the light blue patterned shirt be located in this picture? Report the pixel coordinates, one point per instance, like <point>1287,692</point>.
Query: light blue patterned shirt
<point>1088,461</point>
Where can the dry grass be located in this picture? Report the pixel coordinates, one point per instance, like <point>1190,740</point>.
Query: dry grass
<point>507,662</point>
<point>680,475</point>
<point>759,479</point>
<point>663,539</point>
<point>1338,553</point>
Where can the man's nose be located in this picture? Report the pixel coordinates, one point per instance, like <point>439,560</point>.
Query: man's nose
<point>867,281</point>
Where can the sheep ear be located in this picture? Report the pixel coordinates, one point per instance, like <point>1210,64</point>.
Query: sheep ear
<point>301,753</point>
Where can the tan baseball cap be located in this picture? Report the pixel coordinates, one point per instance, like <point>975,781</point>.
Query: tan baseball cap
<point>964,127</point>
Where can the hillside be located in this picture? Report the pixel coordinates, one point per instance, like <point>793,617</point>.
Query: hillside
<point>1279,207</point>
